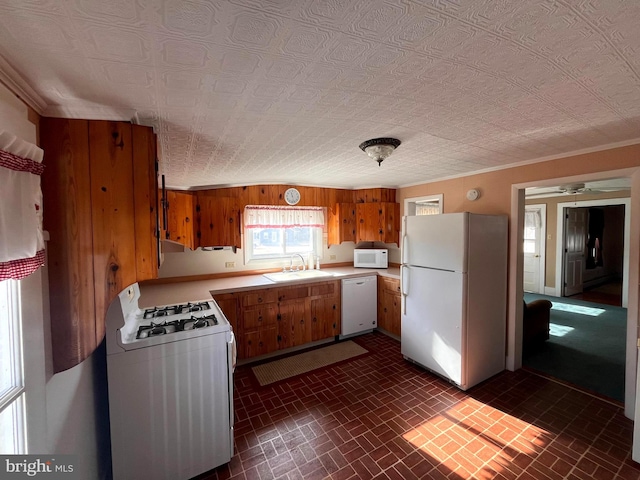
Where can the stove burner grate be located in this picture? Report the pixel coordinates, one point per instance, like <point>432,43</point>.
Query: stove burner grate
<point>156,312</point>
<point>192,323</point>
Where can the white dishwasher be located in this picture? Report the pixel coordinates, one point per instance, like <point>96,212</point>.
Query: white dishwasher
<point>359,305</point>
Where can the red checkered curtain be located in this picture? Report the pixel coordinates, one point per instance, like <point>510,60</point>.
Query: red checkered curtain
<point>21,235</point>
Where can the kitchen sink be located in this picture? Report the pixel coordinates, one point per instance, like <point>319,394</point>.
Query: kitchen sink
<point>296,275</point>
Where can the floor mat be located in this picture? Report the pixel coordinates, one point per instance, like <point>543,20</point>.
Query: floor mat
<point>305,362</point>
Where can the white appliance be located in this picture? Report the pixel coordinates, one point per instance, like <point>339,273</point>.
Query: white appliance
<point>371,257</point>
<point>454,291</point>
<point>359,305</point>
<point>170,374</point>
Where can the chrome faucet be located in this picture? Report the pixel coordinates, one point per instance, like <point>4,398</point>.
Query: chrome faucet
<point>304,267</point>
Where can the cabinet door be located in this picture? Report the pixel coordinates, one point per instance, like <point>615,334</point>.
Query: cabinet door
<point>377,222</point>
<point>390,223</point>
<point>342,224</point>
<point>259,317</point>
<point>112,206</point>
<point>218,222</point>
<point>293,323</point>
<point>180,218</point>
<point>325,317</point>
<point>146,203</point>
<point>396,311</point>
<point>369,227</point>
<point>258,342</point>
<point>228,303</point>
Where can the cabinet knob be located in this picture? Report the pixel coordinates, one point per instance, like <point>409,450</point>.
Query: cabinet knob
<point>259,299</point>
<point>260,318</point>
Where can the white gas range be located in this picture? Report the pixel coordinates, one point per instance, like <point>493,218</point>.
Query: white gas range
<point>170,373</point>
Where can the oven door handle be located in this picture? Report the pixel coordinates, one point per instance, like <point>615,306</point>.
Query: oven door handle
<point>231,362</point>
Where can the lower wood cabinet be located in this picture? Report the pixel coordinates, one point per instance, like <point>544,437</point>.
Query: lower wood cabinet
<point>270,319</point>
<point>389,305</point>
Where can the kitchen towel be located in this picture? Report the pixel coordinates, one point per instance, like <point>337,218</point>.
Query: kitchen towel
<point>21,235</point>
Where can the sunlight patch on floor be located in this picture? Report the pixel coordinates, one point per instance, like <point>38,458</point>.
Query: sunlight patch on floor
<point>477,440</point>
<point>559,330</point>
<point>579,309</point>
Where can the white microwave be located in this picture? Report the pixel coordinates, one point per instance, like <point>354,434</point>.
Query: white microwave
<point>371,258</point>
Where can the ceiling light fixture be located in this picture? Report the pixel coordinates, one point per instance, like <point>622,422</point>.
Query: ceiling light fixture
<point>379,148</point>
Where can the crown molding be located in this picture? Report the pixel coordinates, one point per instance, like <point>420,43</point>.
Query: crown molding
<point>19,86</point>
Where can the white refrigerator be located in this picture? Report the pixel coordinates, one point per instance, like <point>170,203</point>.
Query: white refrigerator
<point>454,293</point>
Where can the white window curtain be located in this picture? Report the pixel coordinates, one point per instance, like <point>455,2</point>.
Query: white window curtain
<point>21,236</point>
<point>532,219</point>
<point>427,208</point>
<point>267,216</point>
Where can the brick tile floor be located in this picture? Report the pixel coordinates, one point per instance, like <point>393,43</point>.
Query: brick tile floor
<point>381,417</point>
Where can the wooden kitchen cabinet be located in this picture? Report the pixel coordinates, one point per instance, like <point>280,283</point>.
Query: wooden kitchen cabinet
<point>256,342</point>
<point>228,303</point>
<point>341,224</point>
<point>293,323</point>
<point>181,215</point>
<point>277,318</point>
<point>389,305</point>
<point>378,222</point>
<point>101,211</point>
<point>325,309</point>
<point>218,221</point>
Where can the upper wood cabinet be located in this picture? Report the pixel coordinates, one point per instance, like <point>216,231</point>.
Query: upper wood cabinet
<point>341,224</point>
<point>181,217</point>
<point>218,221</point>
<point>100,209</point>
<point>378,222</point>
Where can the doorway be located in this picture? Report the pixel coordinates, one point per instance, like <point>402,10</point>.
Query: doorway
<point>593,253</point>
<point>619,246</point>
<point>535,223</point>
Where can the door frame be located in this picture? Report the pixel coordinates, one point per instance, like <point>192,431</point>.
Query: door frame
<point>515,290</point>
<point>543,245</point>
<point>627,235</point>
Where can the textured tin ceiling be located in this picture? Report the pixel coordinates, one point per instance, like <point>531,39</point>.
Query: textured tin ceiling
<point>276,91</point>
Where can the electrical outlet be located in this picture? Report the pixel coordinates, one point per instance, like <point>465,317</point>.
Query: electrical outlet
<point>332,257</point>
<point>229,264</point>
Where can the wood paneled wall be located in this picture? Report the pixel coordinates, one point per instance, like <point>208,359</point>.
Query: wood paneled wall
<point>309,196</point>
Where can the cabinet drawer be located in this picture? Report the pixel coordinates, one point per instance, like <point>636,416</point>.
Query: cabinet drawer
<point>292,293</point>
<point>260,316</point>
<point>259,297</point>
<point>329,288</point>
<point>390,284</point>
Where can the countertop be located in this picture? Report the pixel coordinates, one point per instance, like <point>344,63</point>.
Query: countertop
<point>202,290</point>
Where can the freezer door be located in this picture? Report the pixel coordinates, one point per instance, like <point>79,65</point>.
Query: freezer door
<point>435,241</point>
<point>432,320</point>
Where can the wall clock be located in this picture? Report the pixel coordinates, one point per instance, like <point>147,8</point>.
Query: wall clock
<point>292,196</point>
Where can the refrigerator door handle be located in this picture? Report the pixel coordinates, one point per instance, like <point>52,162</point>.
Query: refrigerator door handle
<point>403,289</point>
<point>404,240</point>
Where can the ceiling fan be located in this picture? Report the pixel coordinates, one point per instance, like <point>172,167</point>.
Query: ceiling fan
<point>574,189</point>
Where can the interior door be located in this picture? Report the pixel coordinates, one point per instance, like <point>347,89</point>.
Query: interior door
<point>575,236</point>
<point>533,249</point>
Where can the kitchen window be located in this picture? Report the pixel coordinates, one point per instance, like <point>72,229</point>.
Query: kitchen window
<point>277,232</point>
<point>12,388</point>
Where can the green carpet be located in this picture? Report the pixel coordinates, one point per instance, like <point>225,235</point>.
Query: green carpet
<point>586,345</point>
